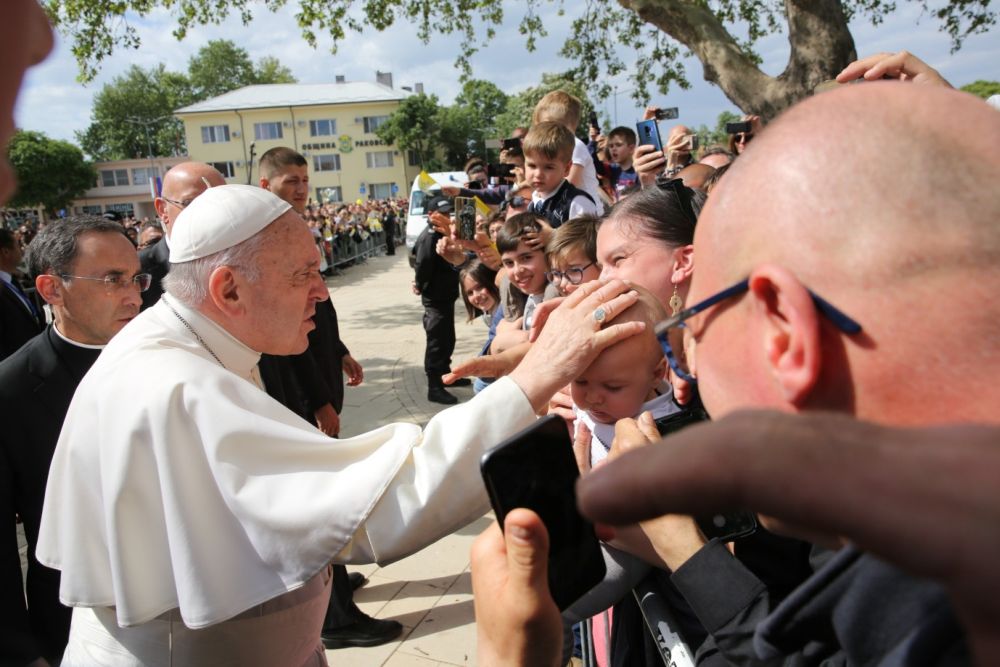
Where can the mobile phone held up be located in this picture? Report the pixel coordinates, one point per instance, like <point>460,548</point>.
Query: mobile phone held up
<point>670,113</point>
<point>743,127</point>
<point>535,469</point>
<point>649,134</point>
<point>465,218</point>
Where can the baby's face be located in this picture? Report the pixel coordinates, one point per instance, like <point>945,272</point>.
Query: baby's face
<point>620,380</point>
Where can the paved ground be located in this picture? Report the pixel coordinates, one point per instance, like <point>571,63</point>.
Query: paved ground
<point>430,592</point>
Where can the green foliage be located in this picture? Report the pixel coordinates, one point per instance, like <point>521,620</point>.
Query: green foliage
<point>221,66</point>
<point>138,102</point>
<point>144,100</point>
<point>983,89</point>
<point>645,28</point>
<point>413,126</point>
<point>50,173</point>
<point>521,105</point>
<point>717,135</point>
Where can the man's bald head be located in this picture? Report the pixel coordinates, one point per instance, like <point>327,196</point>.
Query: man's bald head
<point>181,185</point>
<point>695,175</point>
<point>860,213</point>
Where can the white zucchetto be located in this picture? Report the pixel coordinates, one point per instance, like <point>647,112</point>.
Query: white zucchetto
<point>222,217</point>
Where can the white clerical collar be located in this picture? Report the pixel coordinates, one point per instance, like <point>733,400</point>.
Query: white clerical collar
<point>233,354</point>
<point>6,277</point>
<point>55,327</point>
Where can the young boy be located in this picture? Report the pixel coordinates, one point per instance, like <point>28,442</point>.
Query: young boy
<point>525,266</point>
<point>564,109</point>
<point>625,380</point>
<point>572,254</point>
<point>548,152</point>
<point>620,147</point>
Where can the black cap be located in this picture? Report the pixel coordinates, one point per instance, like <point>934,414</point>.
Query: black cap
<point>441,204</point>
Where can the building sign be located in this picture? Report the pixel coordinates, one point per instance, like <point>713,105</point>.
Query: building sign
<point>345,144</point>
<point>319,146</point>
<point>370,142</point>
<point>344,141</point>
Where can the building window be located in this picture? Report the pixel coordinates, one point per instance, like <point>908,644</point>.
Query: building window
<point>413,158</point>
<point>379,159</point>
<point>264,131</point>
<point>225,168</point>
<point>372,123</point>
<point>112,177</point>
<point>214,134</point>
<point>322,128</point>
<point>380,190</point>
<point>125,209</point>
<point>91,209</point>
<point>326,162</point>
<point>330,195</point>
<point>143,175</point>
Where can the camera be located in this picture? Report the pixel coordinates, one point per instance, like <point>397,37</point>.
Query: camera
<point>670,113</point>
<point>501,170</point>
<point>743,127</point>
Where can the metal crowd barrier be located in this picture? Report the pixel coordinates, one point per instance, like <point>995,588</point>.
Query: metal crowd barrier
<point>344,249</point>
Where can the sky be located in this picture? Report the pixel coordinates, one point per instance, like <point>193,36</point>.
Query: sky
<point>54,102</point>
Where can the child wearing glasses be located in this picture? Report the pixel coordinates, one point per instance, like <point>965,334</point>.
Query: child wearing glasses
<point>572,254</point>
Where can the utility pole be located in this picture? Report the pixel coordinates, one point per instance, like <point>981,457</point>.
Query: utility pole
<point>149,148</point>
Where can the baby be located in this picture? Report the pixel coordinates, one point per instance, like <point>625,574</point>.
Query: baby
<point>625,380</point>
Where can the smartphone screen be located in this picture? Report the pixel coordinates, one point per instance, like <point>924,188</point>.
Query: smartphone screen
<point>648,134</point>
<point>465,218</point>
<point>536,470</point>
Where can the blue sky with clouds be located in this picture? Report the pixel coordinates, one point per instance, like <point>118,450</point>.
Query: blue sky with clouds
<point>52,101</point>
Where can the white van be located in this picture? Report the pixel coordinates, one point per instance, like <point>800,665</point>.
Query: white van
<point>416,218</point>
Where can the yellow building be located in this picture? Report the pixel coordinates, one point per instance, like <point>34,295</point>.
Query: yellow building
<point>332,125</point>
<point>126,187</point>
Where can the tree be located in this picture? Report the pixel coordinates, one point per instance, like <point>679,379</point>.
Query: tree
<point>413,126</point>
<point>133,115</point>
<point>717,135</point>
<point>482,102</point>
<point>982,88</point>
<point>50,173</point>
<point>520,106</point>
<point>654,31</point>
<point>221,66</point>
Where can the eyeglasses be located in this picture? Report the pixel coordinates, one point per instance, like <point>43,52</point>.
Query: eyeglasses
<point>743,138</point>
<point>179,204</point>
<point>837,317</point>
<point>117,283</point>
<point>573,275</point>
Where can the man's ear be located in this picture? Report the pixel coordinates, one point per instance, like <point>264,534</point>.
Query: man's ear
<point>683,265</point>
<point>789,324</point>
<point>161,208</point>
<point>265,183</point>
<point>226,290</point>
<point>50,288</point>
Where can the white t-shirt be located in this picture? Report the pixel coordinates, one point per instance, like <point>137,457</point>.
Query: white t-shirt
<point>582,157</point>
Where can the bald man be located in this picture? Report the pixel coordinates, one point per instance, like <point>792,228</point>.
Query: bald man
<point>848,217</point>
<point>181,185</point>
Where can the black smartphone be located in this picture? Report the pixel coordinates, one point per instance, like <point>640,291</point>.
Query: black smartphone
<point>738,128</point>
<point>649,134</point>
<point>725,526</point>
<point>592,119</point>
<point>670,113</point>
<point>502,170</point>
<point>465,218</point>
<point>536,469</point>
<point>511,144</point>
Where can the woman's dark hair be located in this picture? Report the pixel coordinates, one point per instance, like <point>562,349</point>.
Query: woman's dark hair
<point>666,212</point>
<point>483,275</point>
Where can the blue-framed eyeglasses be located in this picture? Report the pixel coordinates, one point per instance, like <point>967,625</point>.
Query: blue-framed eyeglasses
<point>842,321</point>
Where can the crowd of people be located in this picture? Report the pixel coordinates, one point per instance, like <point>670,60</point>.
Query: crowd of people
<point>805,289</point>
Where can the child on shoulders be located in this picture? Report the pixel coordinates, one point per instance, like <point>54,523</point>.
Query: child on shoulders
<point>548,150</point>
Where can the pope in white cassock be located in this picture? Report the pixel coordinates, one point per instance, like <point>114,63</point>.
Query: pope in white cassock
<point>194,518</point>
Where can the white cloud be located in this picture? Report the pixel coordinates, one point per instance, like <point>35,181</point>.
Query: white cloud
<point>53,102</point>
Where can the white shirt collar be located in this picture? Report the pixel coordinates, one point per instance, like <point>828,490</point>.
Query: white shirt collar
<point>234,355</point>
<point>73,342</point>
<point>6,277</point>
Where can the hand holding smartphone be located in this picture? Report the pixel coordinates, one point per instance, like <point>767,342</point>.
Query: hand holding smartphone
<point>648,134</point>
<point>536,469</point>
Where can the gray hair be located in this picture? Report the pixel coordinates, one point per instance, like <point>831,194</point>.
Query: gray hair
<point>54,249</point>
<point>188,281</point>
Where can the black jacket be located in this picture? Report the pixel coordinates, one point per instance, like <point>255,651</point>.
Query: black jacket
<point>154,260</point>
<point>36,385</point>
<point>436,279</point>
<point>17,324</point>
